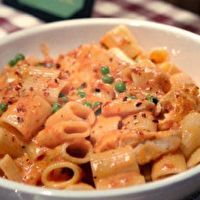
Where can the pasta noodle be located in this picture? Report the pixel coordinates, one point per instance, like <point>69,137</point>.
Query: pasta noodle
<point>101,116</point>
<point>59,166</point>
<point>27,115</point>
<point>115,165</point>
<point>9,168</point>
<point>77,152</point>
<point>64,131</point>
<point>194,159</point>
<point>72,111</point>
<point>168,165</point>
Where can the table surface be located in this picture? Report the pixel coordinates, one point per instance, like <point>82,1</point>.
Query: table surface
<point>12,20</point>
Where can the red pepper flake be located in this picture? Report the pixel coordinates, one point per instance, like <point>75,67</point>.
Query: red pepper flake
<point>138,104</point>
<point>20,120</point>
<point>144,115</point>
<point>21,108</point>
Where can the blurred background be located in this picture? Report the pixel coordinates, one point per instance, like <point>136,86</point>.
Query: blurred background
<point>16,15</point>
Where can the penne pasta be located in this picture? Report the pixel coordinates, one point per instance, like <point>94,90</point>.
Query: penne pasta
<point>125,108</point>
<point>61,132</point>
<point>10,144</point>
<point>48,179</point>
<point>190,133</point>
<point>151,150</point>
<point>77,152</point>
<point>122,38</point>
<point>110,167</point>
<point>168,165</point>
<point>194,159</point>
<point>27,115</point>
<point>10,169</point>
<point>72,111</point>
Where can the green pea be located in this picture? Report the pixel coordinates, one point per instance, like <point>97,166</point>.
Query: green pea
<point>105,70</point>
<point>19,57</point>
<point>81,93</point>
<point>16,59</point>
<point>12,62</point>
<point>88,104</point>
<point>97,103</point>
<point>120,86</point>
<point>55,107</point>
<point>107,79</point>
<point>3,107</point>
<point>152,99</point>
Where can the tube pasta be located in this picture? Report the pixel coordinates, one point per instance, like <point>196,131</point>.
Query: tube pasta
<point>194,159</point>
<point>121,55</point>
<point>151,150</point>
<point>77,152</point>
<point>10,144</point>
<point>124,179</point>
<point>190,133</point>
<point>122,38</point>
<point>64,131</point>
<point>125,108</point>
<point>103,125</point>
<point>10,169</point>
<point>48,88</point>
<point>168,165</point>
<point>72,111</point>
<point>59,166</point>
<point>27,115</point>
<point>120,162</point>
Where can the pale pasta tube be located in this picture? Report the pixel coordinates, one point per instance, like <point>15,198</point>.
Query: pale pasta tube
<point>124,179</point>
<point>169,68</point>
<point>180,80</point>
<point>73,175</point>
<point>194,159</point>
<point>122,38</point>
<point>10,144</point>
<point>77,152</point>
<point>119,162</point>
<point>72,111</point>
<point>44,72</point>
<point>190,133</point>
<point>48,88</point>
<point>113,161</point>
<point>10,169</point>
<point>64,131</point>
<point>140,121</point>
<point>27,115</point>
<point>126,107</point>
<point>151,150</point>
<point>168,165</point>
<point>121,55</point>
<point>34,151</point>
<point>80,186</point>
<point>103,125</point>
<point>120,138</point>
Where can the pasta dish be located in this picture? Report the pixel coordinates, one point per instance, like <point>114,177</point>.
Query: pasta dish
<point>104,115</point>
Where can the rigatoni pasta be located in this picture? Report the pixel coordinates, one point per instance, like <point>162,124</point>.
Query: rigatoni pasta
<point>104,115</point>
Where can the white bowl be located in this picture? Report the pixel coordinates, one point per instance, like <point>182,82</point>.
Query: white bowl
<point>63,36</point>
